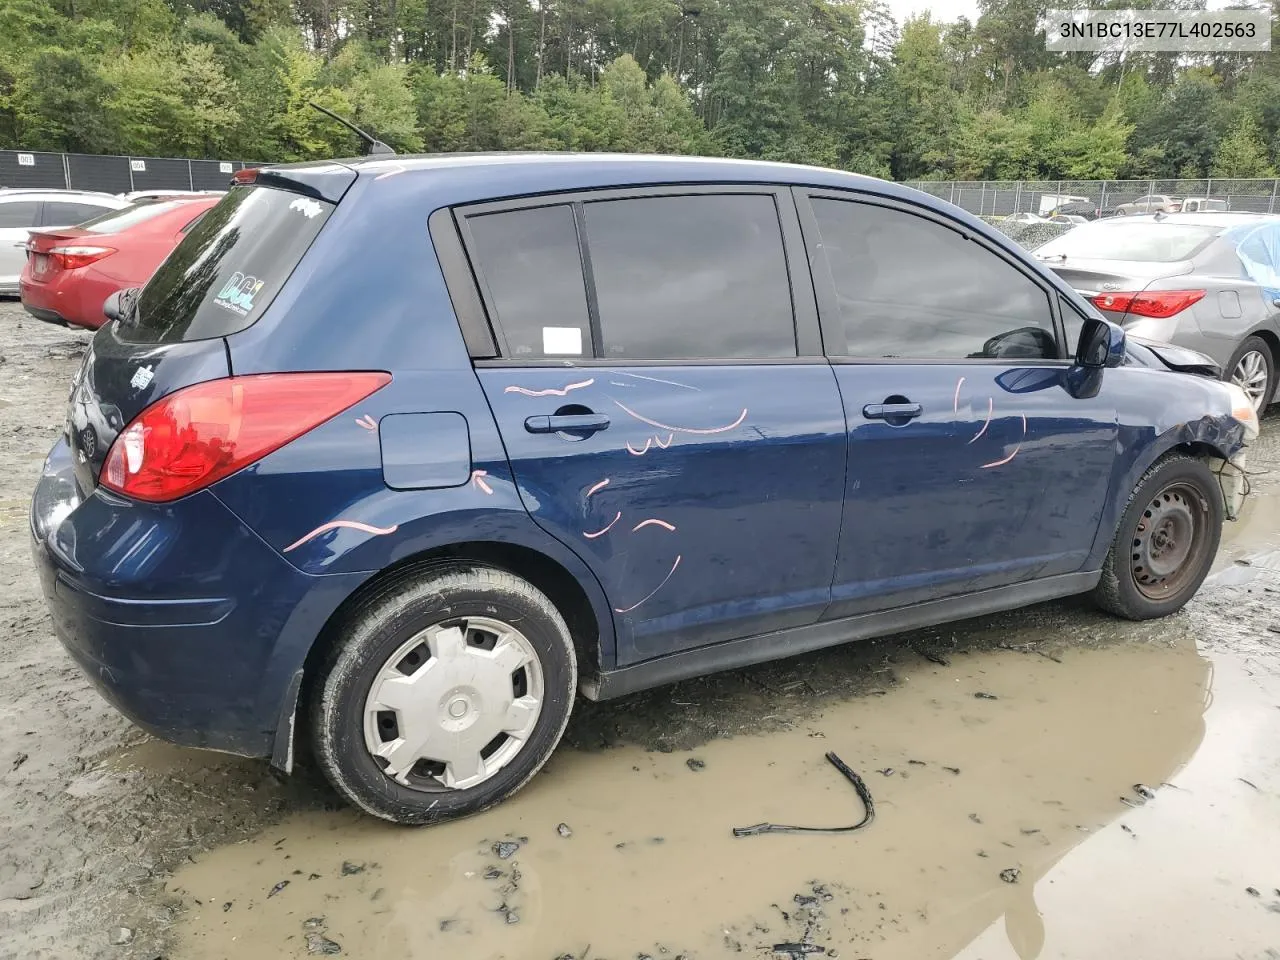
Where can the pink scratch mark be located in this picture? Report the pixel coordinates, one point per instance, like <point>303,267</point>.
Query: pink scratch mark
<point>335,524</point>
<point>991,405</point>
<point>1001,463</point>
<point>550,391</point>
<point>367,422</point>
<point>600,533</point>
<point>477,477</point>
<point>655,522</point>
<point>642,451</point>
<point>955,404</point>
<point>670,437</point>
<point>651,593</point>
<point>598,487</point>
<point>666,426</point>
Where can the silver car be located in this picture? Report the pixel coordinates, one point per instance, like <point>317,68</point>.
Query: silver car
<point>1206,281</point>
<point>24,210</point>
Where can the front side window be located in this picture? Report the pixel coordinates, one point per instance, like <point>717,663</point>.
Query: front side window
<point>690,277</point>
<point>531,266</point>
<point>908,287</point>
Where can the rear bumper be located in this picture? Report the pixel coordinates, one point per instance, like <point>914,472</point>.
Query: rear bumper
<point>183,619</point>
<point>40,313</point>
<point>70,297</point>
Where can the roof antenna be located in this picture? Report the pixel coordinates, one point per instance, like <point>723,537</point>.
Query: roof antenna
<point>376,148</point>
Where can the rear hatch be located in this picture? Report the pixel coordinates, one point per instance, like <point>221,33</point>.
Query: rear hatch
<point>219,280</point>
<point>46,264</point>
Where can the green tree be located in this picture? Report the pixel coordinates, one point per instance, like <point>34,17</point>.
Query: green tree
<point>1241,153</point>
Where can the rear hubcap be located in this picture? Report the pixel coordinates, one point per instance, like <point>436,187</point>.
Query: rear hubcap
<point>454,704</point>
<point>1169,543</point>
<point>1250,375</point>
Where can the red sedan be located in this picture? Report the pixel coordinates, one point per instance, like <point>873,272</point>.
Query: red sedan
<point>70,271</point>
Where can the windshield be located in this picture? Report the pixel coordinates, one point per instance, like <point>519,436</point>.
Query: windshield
<point>228,268</point>
<point>117,220</point>
<point>1148,241</point>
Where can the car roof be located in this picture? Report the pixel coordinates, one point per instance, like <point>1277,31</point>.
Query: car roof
<point>1222,218</point>
<point>64,195</point>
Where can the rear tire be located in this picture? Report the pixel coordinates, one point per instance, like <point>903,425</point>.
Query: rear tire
<point>1165,543</point>
<point>446,691</point>
<point>1253,360</point>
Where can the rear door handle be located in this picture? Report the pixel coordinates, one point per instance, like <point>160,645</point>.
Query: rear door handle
<point>579,423</point>
<point>892,411</point>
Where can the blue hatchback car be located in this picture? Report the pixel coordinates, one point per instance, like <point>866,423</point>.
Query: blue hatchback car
<point>404,452</point>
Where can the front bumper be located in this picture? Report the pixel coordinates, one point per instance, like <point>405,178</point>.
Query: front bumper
<point>187,622</point>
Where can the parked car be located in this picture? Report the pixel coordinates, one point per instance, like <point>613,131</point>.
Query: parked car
<point>1069,219</point>
<point>22,211</point>
<point>71,271</point>
<point>1202,205</point>
<point>1025,217</point>
<point>1154,203</point>
<point>1208,282</point>
<point>408,451</point>
<point>1086,209</point>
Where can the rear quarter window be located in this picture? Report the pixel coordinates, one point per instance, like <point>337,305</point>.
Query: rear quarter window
<point>228,268</point>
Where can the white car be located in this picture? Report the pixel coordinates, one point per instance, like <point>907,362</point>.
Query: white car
<point>1024,218</point>
<point>22,211</point>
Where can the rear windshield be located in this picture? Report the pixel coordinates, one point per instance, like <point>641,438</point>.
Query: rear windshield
<point>229,268</point>
<point>1148,241</point>
<point>116,220</point>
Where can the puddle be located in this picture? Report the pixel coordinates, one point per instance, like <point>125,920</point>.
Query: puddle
<point>651,865</point>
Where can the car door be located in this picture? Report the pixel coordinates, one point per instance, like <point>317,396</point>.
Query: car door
<point>665,404</point>
<point>17,217</point>
<point>971,465</point>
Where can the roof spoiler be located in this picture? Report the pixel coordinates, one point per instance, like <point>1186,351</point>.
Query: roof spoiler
<point>375,147</point>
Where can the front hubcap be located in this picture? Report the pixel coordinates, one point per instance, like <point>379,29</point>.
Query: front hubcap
<point>1170,541</point>
<point>1250,375</point>
<point>454,704</point>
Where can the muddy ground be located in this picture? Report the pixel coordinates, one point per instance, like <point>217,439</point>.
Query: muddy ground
<point>1047,783</point>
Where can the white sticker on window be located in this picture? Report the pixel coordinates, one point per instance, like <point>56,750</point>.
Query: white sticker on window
<point>26,159</point>
<point>562,340</point>
<point>307,207</point>
<point>138,166</point>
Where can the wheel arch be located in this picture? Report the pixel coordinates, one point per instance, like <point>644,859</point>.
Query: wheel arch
<point>592,637</point>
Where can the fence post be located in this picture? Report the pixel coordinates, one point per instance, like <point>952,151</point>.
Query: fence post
<point>1271,207</point>
<point>1102,200</point>
<point>1208,188</point>
<point>191,180</point>
<point>953,191</point>
<point>1017,197</point>
<point>982,200</point>
<point>66,171</point>
<point>129,160</point>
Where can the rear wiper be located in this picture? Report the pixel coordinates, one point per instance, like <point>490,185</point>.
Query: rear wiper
<point>376,147</point>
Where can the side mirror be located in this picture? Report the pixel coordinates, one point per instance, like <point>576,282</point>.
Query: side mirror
<point>111,306</point>
<point>1101,345</point>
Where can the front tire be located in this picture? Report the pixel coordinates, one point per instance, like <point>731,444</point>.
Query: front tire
<point>1165,543</point>
<point>446,691</point>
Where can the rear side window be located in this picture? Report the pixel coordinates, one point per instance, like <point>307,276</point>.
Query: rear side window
<point>62,214</point>
<point>530,263</point>
<point>690,277</point>
<point>229,268</point>
<point>18,213</point>
<point>909,287</point>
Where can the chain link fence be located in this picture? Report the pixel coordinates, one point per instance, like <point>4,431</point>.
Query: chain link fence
<point>79,171</point>
<point>1001,198</point>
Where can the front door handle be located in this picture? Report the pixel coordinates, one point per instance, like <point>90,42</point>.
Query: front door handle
<point>577,423</point>
<point>892,411</point>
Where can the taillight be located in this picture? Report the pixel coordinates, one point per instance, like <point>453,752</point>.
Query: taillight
<point>71,257</point>
<point>1153,303</point>
<point>196,436</point>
